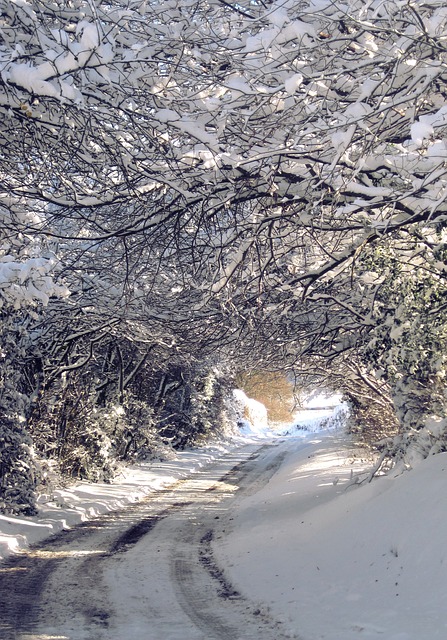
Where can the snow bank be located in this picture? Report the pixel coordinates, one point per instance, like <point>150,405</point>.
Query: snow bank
<point>253,419</point>
<point>314,420</point>
<point>343,562</point>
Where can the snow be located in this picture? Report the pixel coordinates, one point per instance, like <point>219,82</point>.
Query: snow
<point>342,563</point>
<point>31,78</point>
<point>293,83</point>
<point>255,419</point>
<point>90,34</point>
<point>320,411</point>
<point>341,139</point>
<point>83,501</point>
<point>327,555</point>
<point>277,15</point>
<point>421,131</point>
<point>31,272</point>
<point>166,115</point>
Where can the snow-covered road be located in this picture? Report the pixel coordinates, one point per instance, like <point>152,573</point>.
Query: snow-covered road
<point>159,553</point>
<point>273,539</point>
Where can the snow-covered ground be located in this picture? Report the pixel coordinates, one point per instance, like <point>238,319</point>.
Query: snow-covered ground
<point>337,561</point>
<point>328,557</point>
<point>66,507</point>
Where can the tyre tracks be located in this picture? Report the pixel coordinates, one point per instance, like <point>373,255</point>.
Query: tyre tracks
<point>62,588</point>
<point>202,588</point>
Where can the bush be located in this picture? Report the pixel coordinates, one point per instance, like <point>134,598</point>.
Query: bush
<point>17,469</point>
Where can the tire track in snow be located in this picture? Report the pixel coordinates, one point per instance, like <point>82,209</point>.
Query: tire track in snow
<point>198,595</point>
<point>58,586</point>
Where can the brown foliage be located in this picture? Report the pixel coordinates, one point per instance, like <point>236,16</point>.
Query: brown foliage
<point>273,389</point>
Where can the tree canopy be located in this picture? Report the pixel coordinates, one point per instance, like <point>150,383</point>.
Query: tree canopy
<point>188,189</point>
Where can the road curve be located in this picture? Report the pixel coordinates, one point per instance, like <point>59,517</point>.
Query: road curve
<point>147,572</point>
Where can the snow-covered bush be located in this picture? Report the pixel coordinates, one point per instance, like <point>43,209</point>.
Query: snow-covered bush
<point>408,344</point>
<point>370,421</point>
<point>194,406</point>
<point>17,468</point>
<point>87,440</point>
<point>17,464</point>
<point>68,428</point>
<point>137,437</point>
<point>27,282</point>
